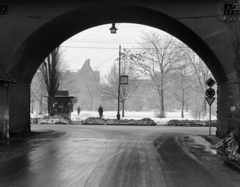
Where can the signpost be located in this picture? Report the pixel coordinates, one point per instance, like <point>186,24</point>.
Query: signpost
<point>210,92</point>
<point>119,73</point>
<point>123,80</point>
<point>210,82</point>
<point>210,98</point>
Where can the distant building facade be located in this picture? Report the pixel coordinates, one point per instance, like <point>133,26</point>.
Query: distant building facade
<point>88,83</point>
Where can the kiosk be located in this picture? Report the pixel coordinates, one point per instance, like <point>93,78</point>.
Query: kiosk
<point>64,103</point>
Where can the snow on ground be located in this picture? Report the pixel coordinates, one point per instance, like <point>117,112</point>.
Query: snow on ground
<point>133,115</point>
<point>130,115</point>
<point>102,121</point>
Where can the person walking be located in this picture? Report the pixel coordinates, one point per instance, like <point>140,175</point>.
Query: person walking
<point>78,110</point>
<point>100,111</point>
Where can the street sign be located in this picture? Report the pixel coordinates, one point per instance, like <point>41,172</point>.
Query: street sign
<point>210,92</point>
<point>210,100</point>
<point>123,80</point>
<point>210,82</point>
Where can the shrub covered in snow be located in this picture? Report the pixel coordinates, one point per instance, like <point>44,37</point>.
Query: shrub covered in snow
<point>51,120</point>
<point>99,121</point>
<point>190,123</point>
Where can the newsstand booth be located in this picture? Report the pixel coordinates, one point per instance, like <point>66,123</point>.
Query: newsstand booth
<point>64,103</point>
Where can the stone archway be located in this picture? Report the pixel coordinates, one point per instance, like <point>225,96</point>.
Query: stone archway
<point>28,57</point>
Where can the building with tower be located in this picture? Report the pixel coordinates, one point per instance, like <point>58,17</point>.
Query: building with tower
<point>88,83</point>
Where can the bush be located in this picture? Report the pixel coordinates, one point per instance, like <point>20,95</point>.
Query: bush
<point>192,123</point>
<point>98,121</point>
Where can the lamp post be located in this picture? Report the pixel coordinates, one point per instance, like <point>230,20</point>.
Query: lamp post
<point>119,64</point>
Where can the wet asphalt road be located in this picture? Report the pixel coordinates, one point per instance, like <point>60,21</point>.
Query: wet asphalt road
<point>112,156</point>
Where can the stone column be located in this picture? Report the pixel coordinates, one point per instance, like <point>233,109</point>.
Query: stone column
<point>222,102</point>
<point>19,108</point>
<point>233,102</point>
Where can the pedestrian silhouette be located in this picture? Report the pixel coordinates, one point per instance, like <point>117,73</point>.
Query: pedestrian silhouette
<point>78,110</point>
<point>100,111</point>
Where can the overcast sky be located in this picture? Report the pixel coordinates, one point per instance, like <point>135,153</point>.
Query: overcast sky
<point>100,46</point>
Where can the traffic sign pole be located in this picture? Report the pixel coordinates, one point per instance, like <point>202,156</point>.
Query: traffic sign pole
<point>209,120</point>
<point>210,98</point>
<point>210,101</point>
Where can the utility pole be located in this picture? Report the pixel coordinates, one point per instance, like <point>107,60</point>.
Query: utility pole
<point>119,64</point>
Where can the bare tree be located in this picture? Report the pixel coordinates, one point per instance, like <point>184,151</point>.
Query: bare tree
<point>110,90</point>
<point>51,72</point>
<point>156,59</point>
<point>200,76</point>
<point>197,108</point>
<point>37,93</point>
<point>68,82</point>
<point>143,98</point>
<point>182,84</point>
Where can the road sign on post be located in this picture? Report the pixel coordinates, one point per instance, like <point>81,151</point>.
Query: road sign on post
<point>210,101</point>
<point>210,82</point>
<point>210,98</point>
<point>123,80</point>
<point>210,92</point>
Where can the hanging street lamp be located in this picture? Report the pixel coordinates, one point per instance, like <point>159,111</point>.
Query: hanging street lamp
<point>113,29</point>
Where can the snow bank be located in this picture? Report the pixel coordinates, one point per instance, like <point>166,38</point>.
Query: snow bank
<point>52,120</point>
<point>192,123</point>
<point>137,115</point>
<point>98,121</point>
<point>129,115</point>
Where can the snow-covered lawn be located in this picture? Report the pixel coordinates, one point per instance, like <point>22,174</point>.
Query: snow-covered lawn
<point>130,115</point>
<point>133,115</point>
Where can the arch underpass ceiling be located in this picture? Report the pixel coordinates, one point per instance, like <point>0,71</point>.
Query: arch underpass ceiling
<point>39,43</point>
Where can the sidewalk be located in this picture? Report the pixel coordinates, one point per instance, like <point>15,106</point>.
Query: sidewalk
<point>227,162</point>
